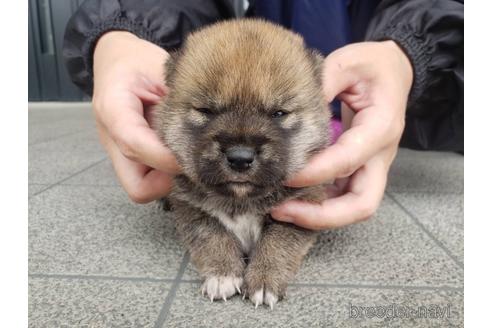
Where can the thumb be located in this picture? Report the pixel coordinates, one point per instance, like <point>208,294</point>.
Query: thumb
<point>337,75</point>
<point>300,213</point>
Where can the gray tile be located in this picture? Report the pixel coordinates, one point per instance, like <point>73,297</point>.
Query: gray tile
<point>441,215</point>
<point>92,303</point>
<point>39,113</point>
<point>50,162</point>
<point>52,131</point>
<point>101,174</point>
<point>98,231</point>
<point>426,171</point>
<point>34,188</point>
<point>315,307</point>
<point>388,249</point>
<point>49,124</point>
<point>88,226</point>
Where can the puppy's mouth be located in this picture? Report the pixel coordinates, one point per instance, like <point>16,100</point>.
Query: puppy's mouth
<point>236,183</point>
<point>251,183</point>
<point>238,180</point>
<point>240,183</point>
<point>237,188</point>
<point>241,189</point>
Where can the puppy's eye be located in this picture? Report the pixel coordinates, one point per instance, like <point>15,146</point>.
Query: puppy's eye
<point>204,110</point>
<point>279,113</point>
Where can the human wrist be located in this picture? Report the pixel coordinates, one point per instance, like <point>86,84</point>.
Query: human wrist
<point>110,47</point>
<point>112,36</point>
<point>124,50</point>
<point>417,50</point>
<point>113,45</point>
<point>402,61</point>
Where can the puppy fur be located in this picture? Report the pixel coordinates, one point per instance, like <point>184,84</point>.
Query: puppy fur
<point>253,84</point>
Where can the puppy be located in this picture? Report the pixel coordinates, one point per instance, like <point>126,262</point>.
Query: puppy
<point>244,112</point>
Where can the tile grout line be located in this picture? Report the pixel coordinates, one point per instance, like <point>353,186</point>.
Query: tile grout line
<point>68,134</point>
<point>81,105</point>
<point>198,281</point>
<point>69,177</point>
<point>424,229</point>
<point>392,287</point>
<point>432,192</point>
<point>96,277</point>
<point>171,295</point>
<point>355,286</point>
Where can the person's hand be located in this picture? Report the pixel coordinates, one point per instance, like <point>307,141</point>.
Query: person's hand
<point>373,79</point>
<point>128,77</point>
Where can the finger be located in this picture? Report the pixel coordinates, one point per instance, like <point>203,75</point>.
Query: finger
<point>332,191</point>
<point>156,87</point>
<point>152,186</point>
<point>148,97</point>
<point>360,202</point>
<point>140,144</point>
<point>137,141</point>
<point>347,116</point>
<point>150,90</point>
<point>337,76</point>
<point>141,183</point>
<point>352,150</point>
<point>336,189</point>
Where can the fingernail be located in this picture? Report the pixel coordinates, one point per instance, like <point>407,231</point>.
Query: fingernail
<point>279,216</point>
<point>287,219</point>
<point>292,183</point>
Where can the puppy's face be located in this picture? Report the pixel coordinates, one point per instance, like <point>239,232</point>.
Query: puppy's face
<point>245,108</point>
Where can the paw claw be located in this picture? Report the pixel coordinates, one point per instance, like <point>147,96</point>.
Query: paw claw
<point>264,297</point>
<point>221,287</point>
<point>271,299</point>
<point>257,298</point>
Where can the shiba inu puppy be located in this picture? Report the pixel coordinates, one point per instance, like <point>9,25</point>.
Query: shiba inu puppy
<point>245,111</point>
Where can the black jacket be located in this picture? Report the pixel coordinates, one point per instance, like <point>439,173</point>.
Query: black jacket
<point>429,31</point>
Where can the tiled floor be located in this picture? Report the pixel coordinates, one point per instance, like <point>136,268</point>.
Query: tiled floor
<point>97,260</point>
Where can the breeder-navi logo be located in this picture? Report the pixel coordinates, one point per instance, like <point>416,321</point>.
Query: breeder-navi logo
<point>432,311</point>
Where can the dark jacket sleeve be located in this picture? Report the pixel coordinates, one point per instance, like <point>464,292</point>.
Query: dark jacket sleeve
<point>431,34</point>
<point>163,22</point>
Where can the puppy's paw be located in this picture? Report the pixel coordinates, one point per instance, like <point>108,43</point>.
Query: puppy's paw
<point>262,296</point>
<point>221,287</point>
<point>264,287</point>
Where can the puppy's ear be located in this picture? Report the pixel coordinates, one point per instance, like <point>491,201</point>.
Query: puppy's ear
<point>170,67</point>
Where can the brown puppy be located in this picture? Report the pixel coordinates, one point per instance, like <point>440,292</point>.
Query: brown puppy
<point>244,112</point>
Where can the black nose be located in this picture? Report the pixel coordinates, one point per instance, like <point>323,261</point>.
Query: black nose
<point>240,158</point>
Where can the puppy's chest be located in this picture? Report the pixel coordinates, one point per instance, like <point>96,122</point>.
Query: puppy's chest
<point>246,227</point>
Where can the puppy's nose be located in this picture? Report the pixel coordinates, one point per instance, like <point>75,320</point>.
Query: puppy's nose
<point>240,158</point>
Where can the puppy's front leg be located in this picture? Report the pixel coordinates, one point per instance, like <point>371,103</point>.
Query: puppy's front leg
<point>276,259</point>
<point>213,251</point>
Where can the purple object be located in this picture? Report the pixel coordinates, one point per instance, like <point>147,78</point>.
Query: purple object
<point>337,128</point>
